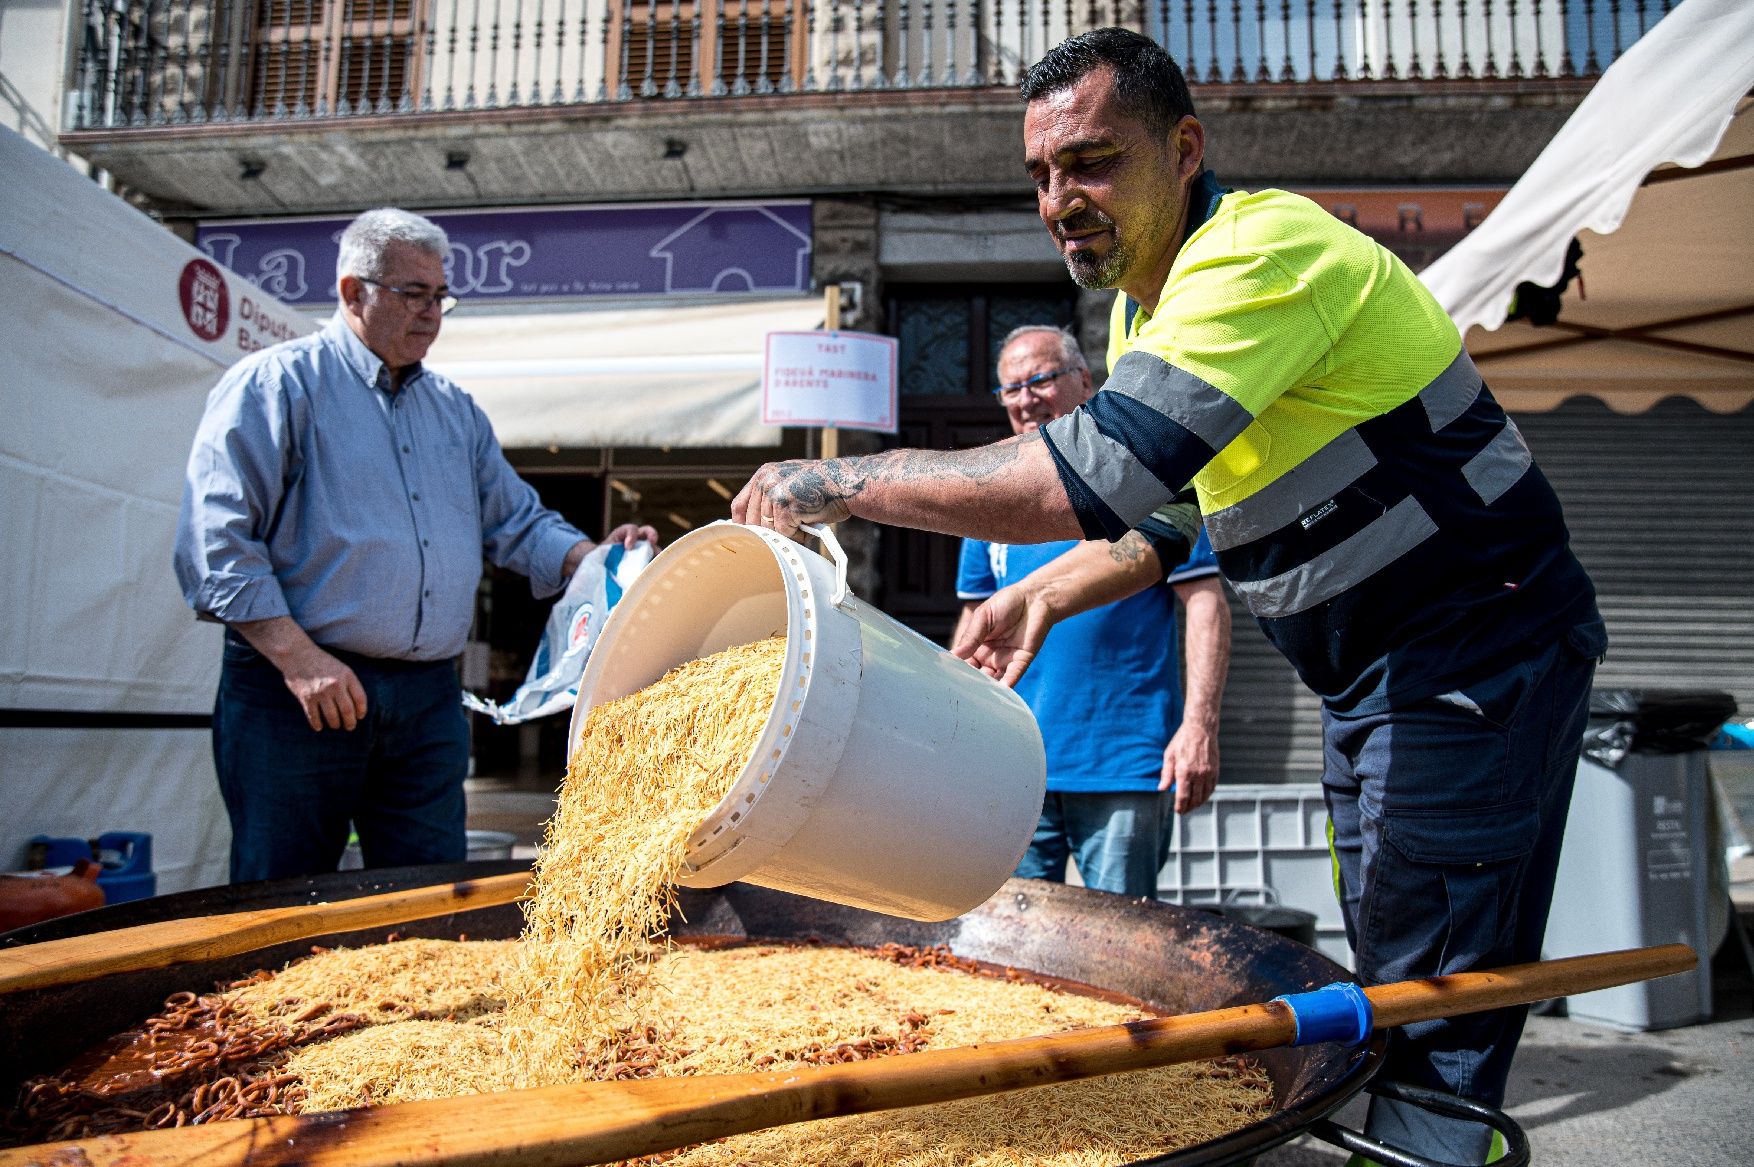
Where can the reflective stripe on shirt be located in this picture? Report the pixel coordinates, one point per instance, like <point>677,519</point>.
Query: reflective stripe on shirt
<point>1369,501</point>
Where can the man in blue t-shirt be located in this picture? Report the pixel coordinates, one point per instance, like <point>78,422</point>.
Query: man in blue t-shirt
<point>1123,753</point>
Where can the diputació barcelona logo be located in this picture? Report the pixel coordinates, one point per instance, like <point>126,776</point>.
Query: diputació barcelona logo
<point>205,304</point>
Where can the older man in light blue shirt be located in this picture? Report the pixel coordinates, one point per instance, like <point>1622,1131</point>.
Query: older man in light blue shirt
<point>338,503</point>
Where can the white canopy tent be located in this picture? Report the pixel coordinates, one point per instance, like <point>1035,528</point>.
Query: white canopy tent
<point>1654,175</point>
<point>687,375</point>
<point>106,375</point>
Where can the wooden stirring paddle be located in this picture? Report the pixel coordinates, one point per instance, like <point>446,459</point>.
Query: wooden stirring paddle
<point>80,958</point>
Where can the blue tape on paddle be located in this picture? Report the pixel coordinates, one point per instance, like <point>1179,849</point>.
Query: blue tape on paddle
<point>1336,1012</point>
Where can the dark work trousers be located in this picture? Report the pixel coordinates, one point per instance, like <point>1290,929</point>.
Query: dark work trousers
<point>1448,815</point>
<point>291,792</point>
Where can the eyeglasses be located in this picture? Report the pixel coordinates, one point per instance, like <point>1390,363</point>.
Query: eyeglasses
<point>1014,390</point>
<point>418,299</point>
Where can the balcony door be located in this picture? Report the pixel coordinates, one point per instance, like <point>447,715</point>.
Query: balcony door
<point>705,48</point>
<point>334,56</point>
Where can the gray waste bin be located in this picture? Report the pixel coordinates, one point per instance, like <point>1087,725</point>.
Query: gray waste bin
<point>1634,869</point>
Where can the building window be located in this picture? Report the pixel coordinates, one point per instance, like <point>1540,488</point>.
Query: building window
<point>693,48</point>
<point>950,335</point>
<point>335,55</point>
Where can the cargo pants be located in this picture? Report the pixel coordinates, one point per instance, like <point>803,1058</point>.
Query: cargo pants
<point>1448,816</point>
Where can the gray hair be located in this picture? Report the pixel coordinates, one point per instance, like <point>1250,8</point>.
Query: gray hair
<point>368,237</point>
<point>1071,355</point>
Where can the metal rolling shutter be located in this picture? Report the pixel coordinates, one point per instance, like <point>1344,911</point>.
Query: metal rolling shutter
<point>1661,510</point>
<point>1270,729</point>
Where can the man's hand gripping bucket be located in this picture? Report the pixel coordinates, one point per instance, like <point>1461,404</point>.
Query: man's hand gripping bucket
<point>889,776</point>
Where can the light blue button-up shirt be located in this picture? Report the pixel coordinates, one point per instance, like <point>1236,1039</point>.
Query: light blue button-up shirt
<point>314,492</point>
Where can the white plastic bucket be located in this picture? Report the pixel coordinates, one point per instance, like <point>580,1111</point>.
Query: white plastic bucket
<point>890,775</point>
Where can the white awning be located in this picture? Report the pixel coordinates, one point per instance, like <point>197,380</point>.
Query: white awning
<point>1654,176</point>
<point>684,375</point>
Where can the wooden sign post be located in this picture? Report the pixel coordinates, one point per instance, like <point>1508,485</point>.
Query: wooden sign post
<point>829,446</point>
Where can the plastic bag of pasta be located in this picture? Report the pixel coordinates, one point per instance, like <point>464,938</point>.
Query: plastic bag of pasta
<point>552,684</point>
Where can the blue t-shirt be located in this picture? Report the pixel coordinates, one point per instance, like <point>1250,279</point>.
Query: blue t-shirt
<point>1104,687</point>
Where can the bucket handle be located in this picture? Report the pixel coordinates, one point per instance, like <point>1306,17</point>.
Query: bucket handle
<point>825,534</point>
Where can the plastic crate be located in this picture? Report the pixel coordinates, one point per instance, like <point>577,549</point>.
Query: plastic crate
<point>1259,845</point>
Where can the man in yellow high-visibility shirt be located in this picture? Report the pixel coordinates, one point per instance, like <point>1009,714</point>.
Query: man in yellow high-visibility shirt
<point>1368,500</point>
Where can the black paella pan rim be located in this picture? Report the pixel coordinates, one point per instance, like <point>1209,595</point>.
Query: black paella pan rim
<point>1175,959</point>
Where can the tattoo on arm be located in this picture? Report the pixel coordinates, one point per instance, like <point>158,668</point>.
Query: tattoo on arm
<point>814,485</point>
<point>824,488</point>
<point>979,463</point>
<point>1129,548</point>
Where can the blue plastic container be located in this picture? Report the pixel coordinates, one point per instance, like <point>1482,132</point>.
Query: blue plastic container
<point>124,856</point>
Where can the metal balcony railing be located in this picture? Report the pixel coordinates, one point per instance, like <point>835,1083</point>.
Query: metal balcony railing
<point>180,62</point>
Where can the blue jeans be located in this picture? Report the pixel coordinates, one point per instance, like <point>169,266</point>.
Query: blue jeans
<point>1120,840</point>
<point>1448,815</point>
<point>292,793</point>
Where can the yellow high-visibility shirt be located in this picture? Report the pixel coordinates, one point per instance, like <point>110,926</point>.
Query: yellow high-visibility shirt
<point>1367,498</point>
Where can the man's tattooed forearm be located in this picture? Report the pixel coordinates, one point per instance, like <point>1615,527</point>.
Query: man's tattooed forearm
<point>813,486</point>
<point>1129,548</point>
<point>979,463</point>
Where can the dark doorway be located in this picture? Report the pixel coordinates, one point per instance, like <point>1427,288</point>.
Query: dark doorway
<point>950,336</point>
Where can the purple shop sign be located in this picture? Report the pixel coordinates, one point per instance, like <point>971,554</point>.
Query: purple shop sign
<point>670,249</point>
